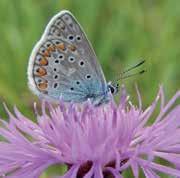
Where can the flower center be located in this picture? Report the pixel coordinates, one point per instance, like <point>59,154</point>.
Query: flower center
<point>85,168</point>
<point>107,174</point>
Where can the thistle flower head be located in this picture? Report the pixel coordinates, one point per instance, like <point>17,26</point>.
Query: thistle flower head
<point>98,142</point>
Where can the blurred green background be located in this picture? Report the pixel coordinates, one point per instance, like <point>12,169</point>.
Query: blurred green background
<point>122,33</point>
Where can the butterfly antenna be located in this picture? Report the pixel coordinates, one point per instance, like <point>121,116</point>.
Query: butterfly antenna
<point>124,75</point>
<point>130,75</point>
<point>133,67</point>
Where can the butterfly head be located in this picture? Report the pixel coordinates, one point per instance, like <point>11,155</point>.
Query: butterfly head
<point>113,88</point>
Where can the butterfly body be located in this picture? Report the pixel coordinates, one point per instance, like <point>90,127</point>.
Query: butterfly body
<point>64,66</point>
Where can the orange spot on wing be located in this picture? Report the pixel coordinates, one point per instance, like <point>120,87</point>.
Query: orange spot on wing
<point>72,48</point>
<point>43,62</point>
<point>50,49</point>
<point>61,46</point>
<point>43,85</point>
<point>46,53</point>
<point>41,71</point>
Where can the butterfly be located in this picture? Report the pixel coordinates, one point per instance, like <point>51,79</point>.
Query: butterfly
<point>64,66</point>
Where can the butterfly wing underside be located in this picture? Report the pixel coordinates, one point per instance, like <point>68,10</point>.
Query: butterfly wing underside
<point>63,64</point>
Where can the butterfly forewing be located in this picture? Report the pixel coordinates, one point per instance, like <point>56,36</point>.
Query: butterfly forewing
<point>63,63</point>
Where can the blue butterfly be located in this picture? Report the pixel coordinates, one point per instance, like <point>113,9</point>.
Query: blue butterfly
<point>63,65</point>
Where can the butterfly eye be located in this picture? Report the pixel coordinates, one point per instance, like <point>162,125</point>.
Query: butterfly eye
<point>88,76</point>
<point>71,59</point>
<point>112,90</point>
<point>81,63</point>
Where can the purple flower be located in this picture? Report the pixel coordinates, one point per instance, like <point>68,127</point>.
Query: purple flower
<point>98,142</point>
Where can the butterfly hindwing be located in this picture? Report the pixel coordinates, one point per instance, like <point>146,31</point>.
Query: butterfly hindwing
<point>63,63</point>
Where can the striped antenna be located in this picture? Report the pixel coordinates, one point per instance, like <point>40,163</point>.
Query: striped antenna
<point>123,74</point>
